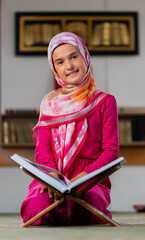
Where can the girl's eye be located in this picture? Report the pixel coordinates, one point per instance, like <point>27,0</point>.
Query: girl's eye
<point>59,62</point>
<point>74,57</point>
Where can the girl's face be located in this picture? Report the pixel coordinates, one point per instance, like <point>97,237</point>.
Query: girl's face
<point>69,64</point>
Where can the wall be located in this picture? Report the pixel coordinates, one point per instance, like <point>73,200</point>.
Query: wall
<point>122,76</point>
<point>126,74</point>
<point>21,75</point>
<point>25,80</point>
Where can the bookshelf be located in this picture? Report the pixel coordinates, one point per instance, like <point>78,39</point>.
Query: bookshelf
<point>132,134</point>
<point>15,128</point>
<point>14,123</point>
<point>132,126</point>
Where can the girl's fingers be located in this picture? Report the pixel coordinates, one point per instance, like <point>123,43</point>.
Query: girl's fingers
<point>43,189</point>
<point>55,197</point>
<point>50,193</point>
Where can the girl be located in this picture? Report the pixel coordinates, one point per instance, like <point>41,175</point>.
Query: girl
<point>77,133</point>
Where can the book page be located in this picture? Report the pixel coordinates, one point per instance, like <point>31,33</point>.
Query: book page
<point>56,183</point>
<point>96,173</point>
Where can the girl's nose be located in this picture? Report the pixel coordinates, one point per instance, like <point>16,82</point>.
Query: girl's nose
<point>69,65</point>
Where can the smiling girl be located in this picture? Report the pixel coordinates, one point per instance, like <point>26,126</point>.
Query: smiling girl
<point>77,133</point>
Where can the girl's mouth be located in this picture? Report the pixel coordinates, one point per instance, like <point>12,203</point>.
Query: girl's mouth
<point>72,73</point>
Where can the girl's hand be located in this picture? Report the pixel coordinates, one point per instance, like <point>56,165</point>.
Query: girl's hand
<point>51,194</point>
<point>78,176</point>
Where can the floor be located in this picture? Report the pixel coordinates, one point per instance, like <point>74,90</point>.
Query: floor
<point>132,226</point>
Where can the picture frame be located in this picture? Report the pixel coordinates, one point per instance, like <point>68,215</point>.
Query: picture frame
<point>104,33</point>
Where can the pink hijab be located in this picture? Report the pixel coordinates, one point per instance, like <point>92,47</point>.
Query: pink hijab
<point>66,114</point>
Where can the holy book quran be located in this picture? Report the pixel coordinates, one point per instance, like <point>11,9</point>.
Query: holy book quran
<point>65,189</point>
<point>65,186</point>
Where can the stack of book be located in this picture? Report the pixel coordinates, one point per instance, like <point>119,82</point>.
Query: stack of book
<point>17,126</point>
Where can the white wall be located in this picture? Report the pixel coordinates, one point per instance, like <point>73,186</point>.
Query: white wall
<point>127,188</point>
<point>14,188</point>
<point>122,76</point>
<point>32,75</point>
<point>25,80</point>
<point>126,74</point>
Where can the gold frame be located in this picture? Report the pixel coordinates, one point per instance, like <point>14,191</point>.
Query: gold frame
<point>42,26</point>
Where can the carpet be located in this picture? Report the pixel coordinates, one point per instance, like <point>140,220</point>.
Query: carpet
<point>132,227</point>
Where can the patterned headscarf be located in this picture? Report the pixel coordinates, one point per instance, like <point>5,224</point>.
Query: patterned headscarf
<point>68,38</point>
<point>57,102</point>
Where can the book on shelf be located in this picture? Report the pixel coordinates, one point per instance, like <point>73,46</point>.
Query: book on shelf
<point>63,187</point>
<point>125,131</point>
<point>17,125</point>
<point>139,128</point>
<point>5,132</point>
<point>18,130</point>
<point>132,129</point>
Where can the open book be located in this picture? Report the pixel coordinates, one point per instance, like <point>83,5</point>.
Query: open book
<point>65,186</point>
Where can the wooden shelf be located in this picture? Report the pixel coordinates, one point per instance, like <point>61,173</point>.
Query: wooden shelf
<point>18,145</point>
<point>6,152</point>
<point>131,111</point>
<point>134,155</point>
<point>133,144</point>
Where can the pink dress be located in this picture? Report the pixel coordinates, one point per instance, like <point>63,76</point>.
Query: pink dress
<point>101,147</point>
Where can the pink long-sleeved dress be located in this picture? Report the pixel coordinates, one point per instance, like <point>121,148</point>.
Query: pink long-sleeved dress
<point>101,147</point>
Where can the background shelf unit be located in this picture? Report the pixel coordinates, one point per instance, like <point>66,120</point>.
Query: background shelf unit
<point>132,150</point>
<point>132,144</point>
<point>131,126</point>
<point>16,128</point>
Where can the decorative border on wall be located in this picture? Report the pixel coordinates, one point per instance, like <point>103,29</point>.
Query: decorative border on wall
<point>104,33</point>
